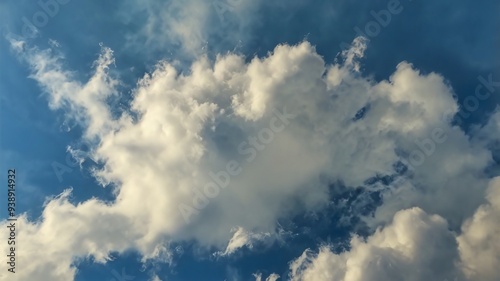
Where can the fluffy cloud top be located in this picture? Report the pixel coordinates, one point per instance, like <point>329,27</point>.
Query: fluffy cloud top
<point>479,244</point>
<point>416,246</point>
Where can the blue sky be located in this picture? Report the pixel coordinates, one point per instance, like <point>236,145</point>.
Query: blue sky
<point>131,105</point>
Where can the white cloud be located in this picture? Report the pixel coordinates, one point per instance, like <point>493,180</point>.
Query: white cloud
<point>242,238</point>
<point>416,246</point>
<point>479,243</point>
<point>488,134</point>
<point>88,229</point>
<point>183,126</point>
<point>189,27</point>
<point>83,102</point>
<point>272,277</point>
<point>156,278</point>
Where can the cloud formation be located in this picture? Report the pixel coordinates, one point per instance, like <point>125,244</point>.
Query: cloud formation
<point>182,127</point>
<point>416,246</point>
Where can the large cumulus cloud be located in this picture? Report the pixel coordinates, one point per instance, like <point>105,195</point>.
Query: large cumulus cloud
<point>182,128</point>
